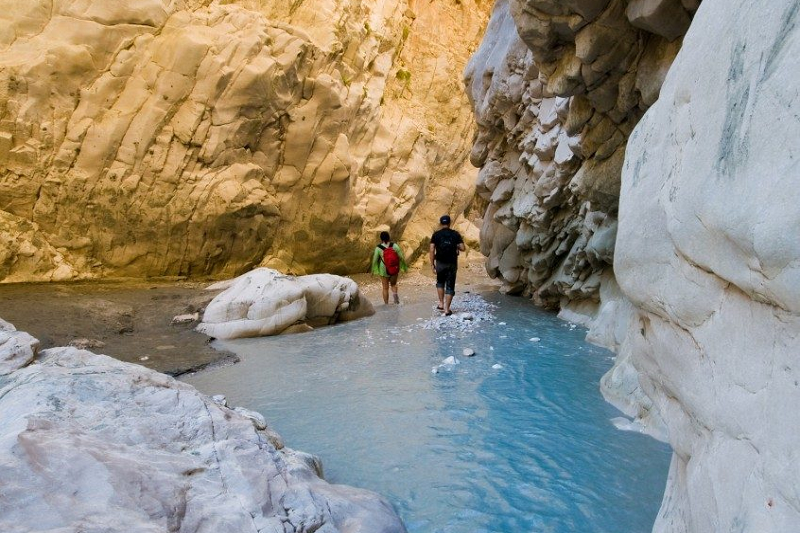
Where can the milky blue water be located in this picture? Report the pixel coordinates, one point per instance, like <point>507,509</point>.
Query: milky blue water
<point>526,448</point>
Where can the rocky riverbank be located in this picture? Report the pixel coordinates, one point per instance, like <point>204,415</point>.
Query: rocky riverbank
<point>94,444</point>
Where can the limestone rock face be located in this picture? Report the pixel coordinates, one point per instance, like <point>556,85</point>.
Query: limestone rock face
<point>93,444</point>
<point>266,302</point>
<point>199,137</point>
<point>709,255</point>
<point>557,87</point>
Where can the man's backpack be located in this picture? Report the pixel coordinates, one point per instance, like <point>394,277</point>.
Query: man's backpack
<point>447,247</point>
<point>391,259</point>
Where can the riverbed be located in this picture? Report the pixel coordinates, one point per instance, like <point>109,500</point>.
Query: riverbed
<point>516,438</point>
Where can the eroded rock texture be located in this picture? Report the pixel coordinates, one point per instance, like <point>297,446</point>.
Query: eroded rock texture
<point>557,87</point>
<point>266,302</point>
<point>709,255</point>
<point>199,137</point>
<point>89,443</point>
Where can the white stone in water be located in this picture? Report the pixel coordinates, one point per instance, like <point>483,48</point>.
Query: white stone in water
<point>451,361</point>
<point>90,427</point>
<point>535,339</point>
<point>501,323</point>
<point>468,352</point>
<point>497,366</point>
<point>266,302</point>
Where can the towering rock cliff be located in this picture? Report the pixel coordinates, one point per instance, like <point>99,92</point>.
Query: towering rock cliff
<point>708,253</point>
<point>199,137</point>
<point>703,301</point>
<point>557,87</point>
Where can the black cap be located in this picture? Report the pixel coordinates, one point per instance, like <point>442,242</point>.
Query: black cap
<point>444,220</point>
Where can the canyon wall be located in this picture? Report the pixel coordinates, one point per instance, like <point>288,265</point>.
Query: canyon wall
<point>202,138</point>
<point>708,252</point>
<point>557,87</point>
<point>695,209</point>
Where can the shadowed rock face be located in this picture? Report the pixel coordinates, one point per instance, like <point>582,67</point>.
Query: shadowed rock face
<point>557,87</point>
<point>204,138</point>
<point>93,444</point>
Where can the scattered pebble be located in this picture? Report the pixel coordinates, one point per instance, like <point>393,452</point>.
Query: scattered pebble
<point>497,366</point>
<point>144,358</point>
<point>86,344</point>
<point>501,323</point>
<point>535,339</point>
<point>470,310</point>
<point>185,319</point>
<point>468,352</point>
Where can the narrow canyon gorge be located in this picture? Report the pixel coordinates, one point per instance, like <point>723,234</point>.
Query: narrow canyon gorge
<point>630,164</point>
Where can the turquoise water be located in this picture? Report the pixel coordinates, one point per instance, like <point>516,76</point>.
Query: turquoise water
<point>525,448</point>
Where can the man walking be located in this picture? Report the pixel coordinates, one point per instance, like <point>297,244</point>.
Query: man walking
<point>387,262</point>
<point>445,246</point>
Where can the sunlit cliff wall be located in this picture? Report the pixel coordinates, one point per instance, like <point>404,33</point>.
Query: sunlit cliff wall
<point>155,137</point>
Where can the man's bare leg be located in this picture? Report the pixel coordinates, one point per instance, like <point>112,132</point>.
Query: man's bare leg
<point>394,293</point>
<point>448,299</point>
<point>440,294</point>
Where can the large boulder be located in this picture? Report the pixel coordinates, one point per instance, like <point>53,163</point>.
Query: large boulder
<point>708,253</point>
<point>266,302</point>
<point>88,443</point>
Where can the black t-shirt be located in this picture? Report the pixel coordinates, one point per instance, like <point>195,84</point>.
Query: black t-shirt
<point>446,243</point>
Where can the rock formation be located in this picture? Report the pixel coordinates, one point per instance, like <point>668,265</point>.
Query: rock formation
<point>172,460</point>
<point>557,87</point>
<point>702,303</point>
<point>708,253</point>
<point>200,137</point>
<point>266,302</point>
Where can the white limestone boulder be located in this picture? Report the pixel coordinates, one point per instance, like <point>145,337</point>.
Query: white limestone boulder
<point>88,443</point>
<point>266,302</point>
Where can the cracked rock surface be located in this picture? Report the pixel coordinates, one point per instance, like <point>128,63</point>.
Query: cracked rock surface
<point>203,138</point>
<point>557,87</point>
<point>707,258</point>
<point>92,444</point>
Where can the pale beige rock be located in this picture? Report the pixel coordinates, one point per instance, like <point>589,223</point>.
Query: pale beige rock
<point>204,138</point>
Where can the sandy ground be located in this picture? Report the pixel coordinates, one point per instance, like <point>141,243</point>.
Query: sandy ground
<point>132,321</point>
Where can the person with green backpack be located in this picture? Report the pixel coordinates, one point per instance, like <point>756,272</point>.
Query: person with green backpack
<point>387,262</point>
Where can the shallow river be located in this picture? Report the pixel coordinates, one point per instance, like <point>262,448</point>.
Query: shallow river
<point>523,448</point>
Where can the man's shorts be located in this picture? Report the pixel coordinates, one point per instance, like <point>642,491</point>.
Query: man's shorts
<point>446,277</point>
